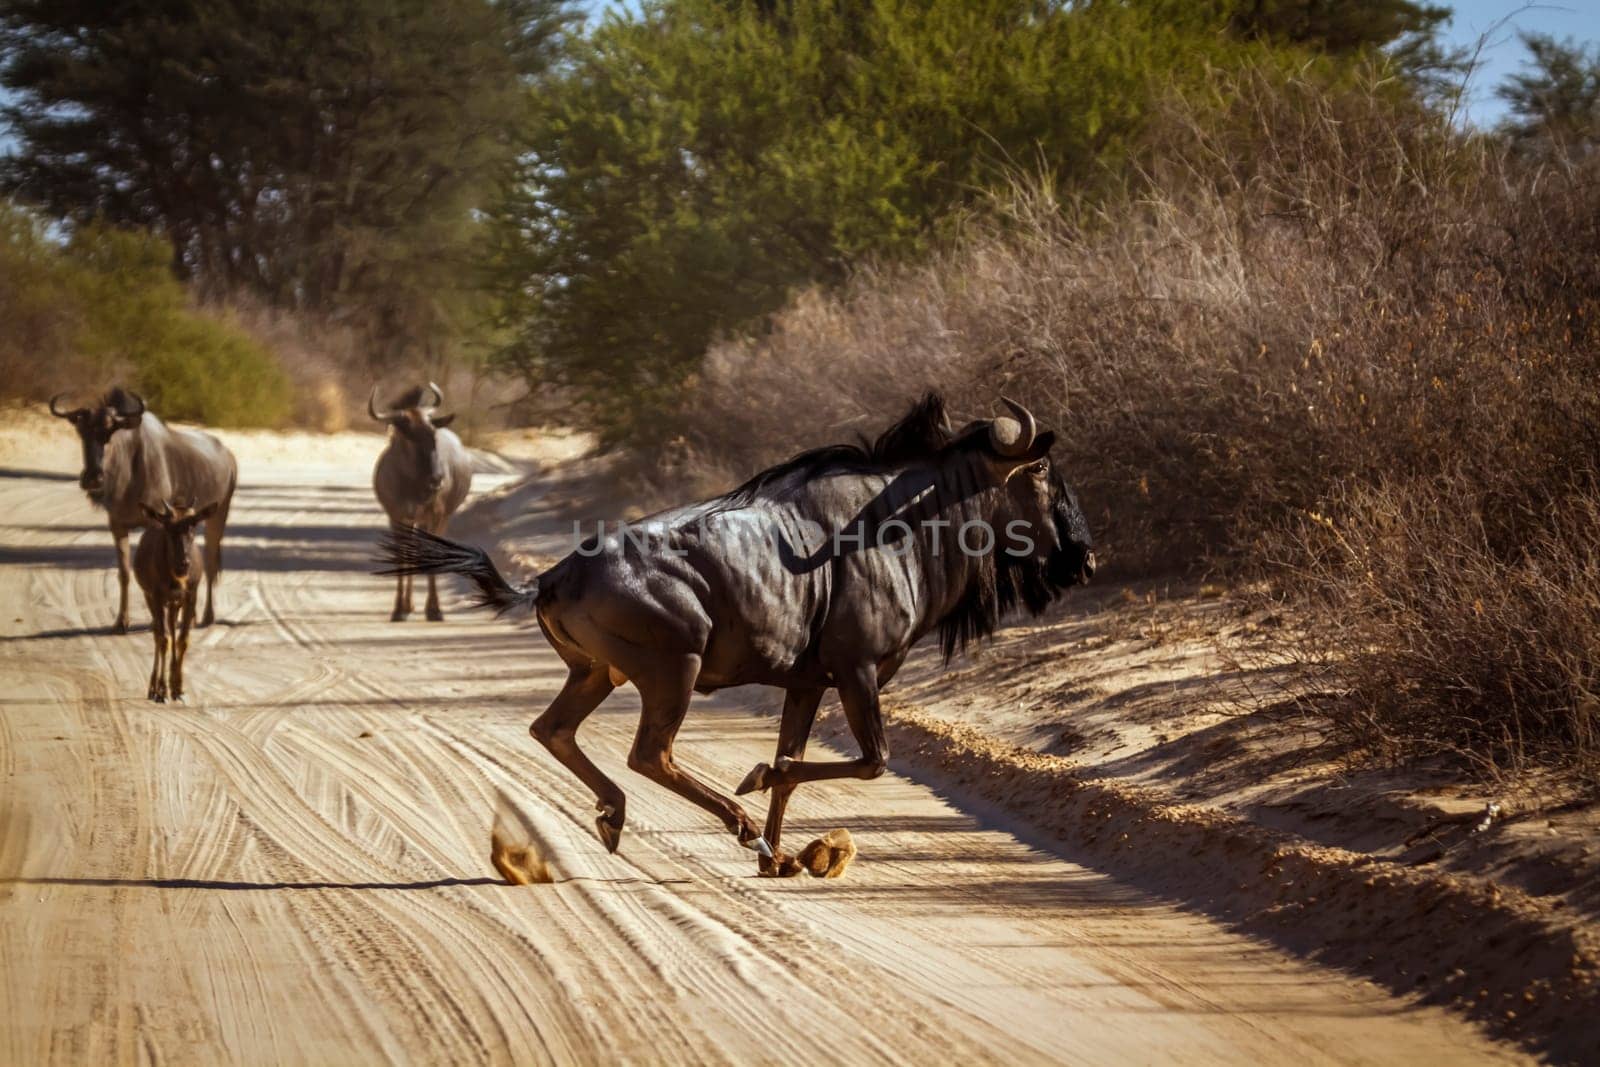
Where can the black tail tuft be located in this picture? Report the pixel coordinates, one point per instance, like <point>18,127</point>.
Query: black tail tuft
<point>408,550</point>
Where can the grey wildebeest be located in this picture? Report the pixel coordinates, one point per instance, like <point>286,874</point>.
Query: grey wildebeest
<point>421,478</point>
<point>819,573</point>
<point>167,563</point>
<point>131,459</point>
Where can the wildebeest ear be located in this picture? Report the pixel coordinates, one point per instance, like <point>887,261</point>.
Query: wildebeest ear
<point>203,514</point>
<point>441,421</point>
<point>1042,444</point>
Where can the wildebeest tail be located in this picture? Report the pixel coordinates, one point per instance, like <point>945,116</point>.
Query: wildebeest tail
<point>409,550</point>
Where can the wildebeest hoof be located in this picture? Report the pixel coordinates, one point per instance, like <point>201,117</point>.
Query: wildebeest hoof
<point>208,619</point>
<point>398,616</point>
<point>756,779</point>
<point>609,825</point>
<point>120,626</point>
<point>159,698</point>
<point>758,845</point>
<point>780,865</point>
<point>435,615</point>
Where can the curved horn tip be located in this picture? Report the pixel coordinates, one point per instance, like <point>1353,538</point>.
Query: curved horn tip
<point>438,395</point>
<point>372,406</point>
<point>57,412</point>
<point>1014,437</point>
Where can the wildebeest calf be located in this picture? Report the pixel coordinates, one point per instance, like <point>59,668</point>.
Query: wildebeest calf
<point>168,566</point>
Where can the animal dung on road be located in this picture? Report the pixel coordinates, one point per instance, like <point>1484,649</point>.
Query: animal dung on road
<point>828,855</point>
<point>516,848</point>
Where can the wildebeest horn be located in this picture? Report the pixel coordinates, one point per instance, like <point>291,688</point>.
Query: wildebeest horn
<point>1013,437</point>
<point>372,408</point>
<point>438,394</point>
<point>57,412</point>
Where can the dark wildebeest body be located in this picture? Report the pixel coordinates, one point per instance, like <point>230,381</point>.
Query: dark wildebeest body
<point>420,479</point>
<point>819,573</point>
<point>166,564</point>
<point>132,459</point>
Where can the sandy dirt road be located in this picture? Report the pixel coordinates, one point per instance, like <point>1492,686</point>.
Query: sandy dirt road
<point>293,867</point>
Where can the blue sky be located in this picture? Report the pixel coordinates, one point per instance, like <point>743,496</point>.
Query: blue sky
<point>1502,53</point>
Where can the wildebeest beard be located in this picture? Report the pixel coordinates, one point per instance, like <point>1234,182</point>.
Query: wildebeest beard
<point>998,581</point>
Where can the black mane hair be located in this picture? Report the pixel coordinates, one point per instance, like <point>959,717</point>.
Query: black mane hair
<point>412,398</point>
<point>923,433</point>
<point>119,400</point>
<point>1034,584</point>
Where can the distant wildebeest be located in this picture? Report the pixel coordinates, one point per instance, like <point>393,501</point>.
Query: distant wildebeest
<point>166,564</point>
<point>421,478</point>
<point>817,574</point>
<point>130,459</point>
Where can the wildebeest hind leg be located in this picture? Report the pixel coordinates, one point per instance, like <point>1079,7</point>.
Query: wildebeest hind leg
<point>665,690</point>
<point>557,730</point>
<point>214,528</point>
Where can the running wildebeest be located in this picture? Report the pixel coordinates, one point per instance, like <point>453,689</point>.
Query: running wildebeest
<point>131,458</point>
<point>421,478</point>
<point>818,573</point>
<point>165,563</point>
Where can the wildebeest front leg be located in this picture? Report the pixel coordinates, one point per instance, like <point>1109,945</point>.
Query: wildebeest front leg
<point>431,610</point>
<point>158,672</point>
<point>799,713</point>
<point>557,730</point>
<point>665,690</point>
<point>183,618</point>
<point>120,536</point>
<point>858,692</point>
<point>402,594</point>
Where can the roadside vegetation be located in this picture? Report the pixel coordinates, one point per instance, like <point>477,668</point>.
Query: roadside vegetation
<point>1324,344</point>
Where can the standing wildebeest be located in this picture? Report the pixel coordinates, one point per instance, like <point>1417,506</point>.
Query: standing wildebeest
<point>421,478</point>
<point>819,573</point>
<point>165,564</point>
<point>131,458</point>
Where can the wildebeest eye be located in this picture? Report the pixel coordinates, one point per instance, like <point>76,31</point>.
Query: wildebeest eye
<point>1040,468</point>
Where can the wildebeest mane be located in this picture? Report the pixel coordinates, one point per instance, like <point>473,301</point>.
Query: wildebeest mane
<point>119,400</point>
<point>1002,581</point>
<point>411,398</point>
<point>923,433</point>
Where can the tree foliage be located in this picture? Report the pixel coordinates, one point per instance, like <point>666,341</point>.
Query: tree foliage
<point>696,162</point>
<point>1555,102</point>
<point>322,156</point>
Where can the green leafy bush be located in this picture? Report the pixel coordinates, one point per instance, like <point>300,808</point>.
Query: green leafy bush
<point>103,307</point>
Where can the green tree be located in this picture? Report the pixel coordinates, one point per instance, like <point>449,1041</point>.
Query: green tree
<point>1555,103</point>
<point>326,157</point>
<point>699,160</point>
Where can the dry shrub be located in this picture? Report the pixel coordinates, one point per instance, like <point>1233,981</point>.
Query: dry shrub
<point>1314,301</point>
<point>1449,636</point>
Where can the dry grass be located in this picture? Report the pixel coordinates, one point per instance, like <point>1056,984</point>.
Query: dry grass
<point>1316,308</point>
